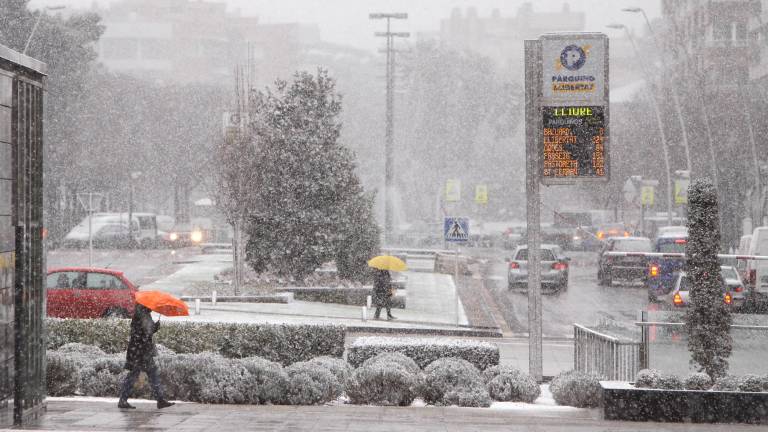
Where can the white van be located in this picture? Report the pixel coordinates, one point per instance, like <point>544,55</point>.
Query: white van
<point>111,230</point>
<point>757,271</point>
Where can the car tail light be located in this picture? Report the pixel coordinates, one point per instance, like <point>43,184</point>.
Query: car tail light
<point>600,235</point>
<point>559,266</point>
<point>738,289</point>
<point>514,265</point>
<point>728,298</point>
<point>681,241</point>
<point>677,299</point>
<point>626,233</point>
<point>174,236</point>
<point>653,270</point>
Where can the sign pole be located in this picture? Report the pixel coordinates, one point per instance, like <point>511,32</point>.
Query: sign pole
<point>90,229</point>
<point>456,280</point>
<point>533,206</point>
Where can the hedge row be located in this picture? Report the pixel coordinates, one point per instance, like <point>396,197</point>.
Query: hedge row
<point>282,343</point>
<point>340,295</point>
<point>652,378</point>
<point>425,351</point>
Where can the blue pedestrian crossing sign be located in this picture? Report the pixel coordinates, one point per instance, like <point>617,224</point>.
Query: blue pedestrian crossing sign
<point>456,229</point>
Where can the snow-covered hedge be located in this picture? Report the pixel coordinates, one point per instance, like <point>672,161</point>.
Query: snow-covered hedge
<point>62,374</point>
<point>282,343</point>
<point>268,381</point>
<point>395,357</point>
<point>697,381</point>
<point>311,384</point>
<point>425,350</point>
<point>652,378</point>
<point>512,385</point>
<point>383,383</point>
<point>338,367</point>
<point>454,381</point>
<point>576,389</point>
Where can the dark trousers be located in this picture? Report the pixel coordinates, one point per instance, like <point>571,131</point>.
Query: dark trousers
<point>133,375</point>
<point>385,305</point>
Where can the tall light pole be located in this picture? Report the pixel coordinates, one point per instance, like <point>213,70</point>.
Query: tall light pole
<point>657,112</point>
<point>133,176</point>
<point>37,22</point>
<point>389,132</point>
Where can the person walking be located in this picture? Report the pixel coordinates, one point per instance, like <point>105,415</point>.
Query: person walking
<point>382,292</point>
<point>141,357</point>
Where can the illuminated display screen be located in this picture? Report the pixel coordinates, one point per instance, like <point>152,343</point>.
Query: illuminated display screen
<point>574,142</point>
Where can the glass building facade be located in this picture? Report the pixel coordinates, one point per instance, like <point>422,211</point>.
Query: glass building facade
<point>22,295</point>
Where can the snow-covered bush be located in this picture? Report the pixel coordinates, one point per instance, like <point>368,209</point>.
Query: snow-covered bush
<point>62,374</point>
<point>223,381</point>
<point>698,381</point>
<point>397,358</point>
<point>163,350</point>
<point>669,382</point>
<point>454,381</point>
<point>647,378</point>
<point>282,343</point>
<point>182,374</point>
<point>76,348</point>
<point>383,383</point>
<point>425,351</point>
<point>104,376</point>
<point>576,389</point>
<point>267,382</point>
<point>513,385</point>
<point>727,383</point>
<point>311,384</point>
<point>751,383</point>
<point>494,371</point>
<point>338,367</point>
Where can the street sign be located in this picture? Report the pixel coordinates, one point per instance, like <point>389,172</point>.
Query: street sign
<point>630,191</point>
<point>681,190</point>
<point>573,137</point>
<point>481,194</point>
<point>453,190</point>
<point>456,229</point>
<point>647,195</point>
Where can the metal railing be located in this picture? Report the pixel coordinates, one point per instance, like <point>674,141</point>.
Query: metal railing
<point>607,356</point>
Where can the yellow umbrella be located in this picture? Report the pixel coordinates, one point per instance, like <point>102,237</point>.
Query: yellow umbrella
<point>387,262</point>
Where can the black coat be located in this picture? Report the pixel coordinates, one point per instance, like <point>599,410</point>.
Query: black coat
<point>141,347</point>
<point>382,284</point>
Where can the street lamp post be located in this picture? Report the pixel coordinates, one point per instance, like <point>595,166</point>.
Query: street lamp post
<point>389,132</point>
<point>657,112</point>
<point>133,176</point>
<point>37,22</point>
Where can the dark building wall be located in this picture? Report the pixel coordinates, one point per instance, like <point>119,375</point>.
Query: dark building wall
<point>22,295</point>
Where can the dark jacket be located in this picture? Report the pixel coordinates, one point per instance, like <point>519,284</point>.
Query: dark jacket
<point>141,347</point>
<point>382,284</point>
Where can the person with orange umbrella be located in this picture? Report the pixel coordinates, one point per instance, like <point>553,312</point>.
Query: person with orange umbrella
<point>141,353</point>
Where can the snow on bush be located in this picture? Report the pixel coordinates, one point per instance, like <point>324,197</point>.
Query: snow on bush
<point>182,374</point>
<point>397,358</point>
<point>338,367</point>
<point>669,382</point>
<point>311,384</point>
<point>104,376</point>
<point>727,383</point>
<point>647,378</point>
<point>282,343</point>
<point>76,348</point>
<point>751,383</point>
<point>267,382</point>
<point>454,381</point>
<point>383,383</point>
<point>223,381</point>
<point>576,389</point>
<point>512,385</point>
<point>494,371</point>
<point>697,381</point>
<point>425,351</point>
<point>62,374</point>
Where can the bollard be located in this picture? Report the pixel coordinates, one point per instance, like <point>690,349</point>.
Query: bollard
<point>197,306</point>
<point>365,313</point>
<point>368,301</point>
<point>213,298</point>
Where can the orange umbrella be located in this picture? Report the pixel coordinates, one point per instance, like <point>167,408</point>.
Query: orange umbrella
<point>162,303</point>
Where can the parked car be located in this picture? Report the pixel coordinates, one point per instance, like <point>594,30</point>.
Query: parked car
<point>733,289</point>
<point>622,267</point>
<point>75,292</point>
<point>663,271</point>
<point>554,268</point>
<point>112,230</point>
<point>611,230</point>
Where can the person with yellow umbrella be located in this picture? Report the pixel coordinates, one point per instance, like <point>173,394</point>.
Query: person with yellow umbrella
<point>140,356</point>
<point>382,282</point>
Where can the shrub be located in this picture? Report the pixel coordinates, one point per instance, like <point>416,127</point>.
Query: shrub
<point>698,381</point>
<point>282,343</point>
<point>576,389</point>
<point>751,383</point>
<point>382,383</point>
<point>338,367</point>
<point>397,358</point>
<point>267,382</point>
<point>647,378</point>
<point>223,381</point>
<point>62,374</point>
<point>513,386</point>
<point>669,382</point>
<point>182,374</point>
<point>76,348</point>
<point>425,351</point>
<point>454,381</point>
<point>494,371</point>
<point>311,384</point>
<point>727,383</point>
<point>102,376</point>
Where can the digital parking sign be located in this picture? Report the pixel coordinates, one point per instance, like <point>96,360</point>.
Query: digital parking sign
<point>573,142</point>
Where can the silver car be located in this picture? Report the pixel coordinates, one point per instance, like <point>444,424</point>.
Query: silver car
<point>554,268</point>
<point>733,289</point>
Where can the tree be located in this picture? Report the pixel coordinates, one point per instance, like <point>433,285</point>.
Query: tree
<point>308,206</point>
<point>708,319</point>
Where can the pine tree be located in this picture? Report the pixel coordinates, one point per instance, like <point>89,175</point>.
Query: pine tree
<point>708,319</point>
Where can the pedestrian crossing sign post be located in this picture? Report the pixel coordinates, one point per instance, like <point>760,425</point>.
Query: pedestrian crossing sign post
<point>456,229</point>
<point>647,195</point>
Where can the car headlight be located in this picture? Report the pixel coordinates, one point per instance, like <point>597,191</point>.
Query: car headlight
<point>196,236</point>
<point>174,236</point>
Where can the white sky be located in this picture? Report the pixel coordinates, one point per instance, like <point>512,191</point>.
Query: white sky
<point>346,21</point>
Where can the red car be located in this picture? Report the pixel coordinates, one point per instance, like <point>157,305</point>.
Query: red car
<point>77,292</point>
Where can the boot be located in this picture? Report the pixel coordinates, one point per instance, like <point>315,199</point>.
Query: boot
<point>123,404</point>
<point>162,403</point>
<point>390,318</point>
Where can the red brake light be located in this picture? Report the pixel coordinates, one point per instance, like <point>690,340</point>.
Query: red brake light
<point>559,266</point>
<point>739,289</point>
<point>653,271</point>
<point>677,300</point>
<point>681,241</point>
<point>626,233</point>
<point>728,298</point>
<point>600,235</point>
<point>514,265</point>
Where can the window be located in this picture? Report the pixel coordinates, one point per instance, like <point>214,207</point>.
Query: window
<point>546,255</point>
<point>104,281</point>
<point>721,29</point>
<point>634,245</point>
<point>61,280</point>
